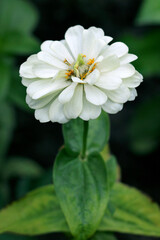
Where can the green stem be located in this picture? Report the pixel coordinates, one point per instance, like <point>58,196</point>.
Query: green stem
<point>85,133</point>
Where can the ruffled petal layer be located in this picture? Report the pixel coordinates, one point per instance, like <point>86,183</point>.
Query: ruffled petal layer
<point>94,95</point>
<point>73,108</point>
<point>112,107</point>
<point>89,111</point>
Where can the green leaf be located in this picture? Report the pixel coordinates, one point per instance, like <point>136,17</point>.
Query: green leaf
<point>144,129</point>
<point>111,165</point>
<point>37,213</point>
<point>17,15</point>
<point>105,153</point>
<point>103,236</point>
<point>81,187</point>
<point>4,79</point>
<point>18,43</point>
<point>147,48</point>
<point>7,123</point>
<point>73,135</point>
<point>98,134</point>
<point>21,167</point>
<point>149,12</point>
<point>134,213</point>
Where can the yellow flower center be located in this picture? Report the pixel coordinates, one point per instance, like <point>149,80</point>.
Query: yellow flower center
<point>81,68</point>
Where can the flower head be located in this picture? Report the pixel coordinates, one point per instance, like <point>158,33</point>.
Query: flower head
<point>79,76</point>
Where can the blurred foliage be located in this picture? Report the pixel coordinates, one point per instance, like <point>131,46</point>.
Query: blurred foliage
<point>149,12</point>
<point>18,18</point>
<point>17,15</point>
<point>144,128</point>
<point>7,123</point>
<point>146,46</point>
<point>21,167</point>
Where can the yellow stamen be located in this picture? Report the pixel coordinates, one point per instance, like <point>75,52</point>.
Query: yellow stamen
<point>69,73</point>
<point>91,61</point>
<point>83,76</point>
<point>94,66</point>
<point>65,61</point>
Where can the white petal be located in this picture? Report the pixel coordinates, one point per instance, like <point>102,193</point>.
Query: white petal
<point>43,70</point>
<point>38,86</point>
<point>133,94</point>
<point>51,60</point>
<point>42,114</point>
<point>46,46</point>
<point>40,103</point>
<point>95,95</point>
<point>112,107</point>
<point>99,59</point>
<point>77,80</point>
<point>99,44</point>
<point>125,71</point>
<point>88,43</point>
<point>92,44</point>
<point>120,95</point>
<point>98,32</point>
<point>64,42</point>
<point>73,37</point>
<point>42,88</point>
<point>61,51</point>
<point>108,64</point>
<point>89,110</point>
<point>105,52</point>
<point>27,81</point>
<point>67,93</point>
<point>33,59</point>
<point>127,58</point>
<point>133,81</point>
<point>73,108</point>
<point>92,78</point>
<point>56,113</point>
<point>118,49</point>
<point>26,70</point>
<point>107,39</point>
<point>109,81</point>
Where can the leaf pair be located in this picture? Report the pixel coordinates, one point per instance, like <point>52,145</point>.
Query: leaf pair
<point>39,213</point>
<point>81,185</point>
<point>97,138</point>
<point>82,190</point>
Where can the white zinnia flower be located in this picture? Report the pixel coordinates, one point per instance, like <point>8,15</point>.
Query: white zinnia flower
<point>79,76</point>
